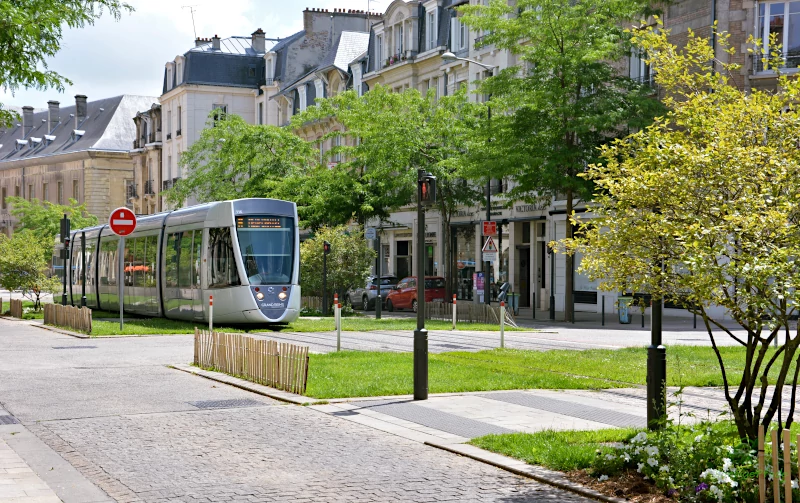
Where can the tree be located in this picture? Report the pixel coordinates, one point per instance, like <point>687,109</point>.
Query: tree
<point>702,208</point>
<point>234,159</point>
<point>569,100</point>
<point>391,136</point>
<point>349,261</point>
<point>23,266</point>
<point>42,219</point>
<point>30,32</point>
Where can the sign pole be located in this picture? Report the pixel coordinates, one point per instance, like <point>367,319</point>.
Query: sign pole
<point>210,313</point>
<point>121,281</point>
<point>379,300</point>
<point>122,222</point>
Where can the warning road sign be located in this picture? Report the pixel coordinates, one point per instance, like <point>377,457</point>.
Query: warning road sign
<point>489,250</point>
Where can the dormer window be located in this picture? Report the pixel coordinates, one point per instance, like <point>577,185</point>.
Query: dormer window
<point>179,74</point>
<point>35,142</point>
<point>48,139</point>
<point>77,134</point>
<point>20,144</point>
<point>431,29</point>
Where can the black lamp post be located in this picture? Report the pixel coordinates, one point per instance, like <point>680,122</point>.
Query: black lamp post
<point>449,56</point>
<point>426,196</point>
<point>326,249</point>
<point>64,235</point>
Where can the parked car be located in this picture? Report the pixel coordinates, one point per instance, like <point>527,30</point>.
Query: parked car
<point>365,296</point>
<point>404,295</point>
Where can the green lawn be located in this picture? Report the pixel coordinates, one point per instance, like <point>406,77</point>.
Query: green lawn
<point>357,373</point>
<point>558,450</point>
<point>149,326</point>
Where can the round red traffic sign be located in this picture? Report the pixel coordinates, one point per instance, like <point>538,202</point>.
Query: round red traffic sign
<point>122,221</point>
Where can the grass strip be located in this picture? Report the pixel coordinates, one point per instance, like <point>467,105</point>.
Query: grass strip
<point>557,450</point>
<point>370,373</point>
<point>359,324</point>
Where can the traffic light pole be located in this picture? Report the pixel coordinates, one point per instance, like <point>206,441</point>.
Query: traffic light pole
<point>65,230</point>
<point>83,269</point>
<point>324,282</point>
<point>379,299</point>
<point>420,334</point>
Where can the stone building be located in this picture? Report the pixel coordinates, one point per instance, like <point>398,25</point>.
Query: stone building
<point>79,152</point>
<point>144,191</point>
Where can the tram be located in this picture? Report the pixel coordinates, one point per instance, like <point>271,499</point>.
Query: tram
<point>244,252</point>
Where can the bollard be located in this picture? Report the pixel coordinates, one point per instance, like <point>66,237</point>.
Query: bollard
<point>338,321</point>
<point>454,311</point>
<point>533,306</point>
<point>502,324</point>
<point>695,320</point>
<point>603,312</point>
<point>210,313</point>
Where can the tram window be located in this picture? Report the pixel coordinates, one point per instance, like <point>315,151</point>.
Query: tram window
<point>221,262</point>
<point>130,250</point>
<point>185,261</point>
<point>108,261</point>
<point>150,255</point>
<point>267,246</point>
<point>138,261</point>
<point>89,265</point>
<point>171,259</point>
<point>196,258</point>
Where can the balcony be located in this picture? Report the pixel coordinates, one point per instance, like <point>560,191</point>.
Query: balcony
<point>270,81</point>
<point>169,136</point>
<point>398,58</point>
<point>149,188</point>
<point>132,192</point>
<point>166,185</point>
<point>177,133</point>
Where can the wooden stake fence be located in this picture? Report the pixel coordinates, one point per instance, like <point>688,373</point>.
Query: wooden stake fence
<point>279,365</point>
<point>77,318</point>
<point>776,475</point>
<point>467,312</point>
<point>311,303</point>
<point>16,308</point>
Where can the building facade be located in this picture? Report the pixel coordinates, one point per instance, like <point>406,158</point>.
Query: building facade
<point>79,152</point>
<point>144,192</point>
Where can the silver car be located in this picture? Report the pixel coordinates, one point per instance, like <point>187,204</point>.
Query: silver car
<point>365,296</point>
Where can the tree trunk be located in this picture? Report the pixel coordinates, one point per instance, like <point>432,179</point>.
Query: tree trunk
<point>568,273</point>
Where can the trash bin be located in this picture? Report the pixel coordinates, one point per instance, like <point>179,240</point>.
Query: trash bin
<point>513,303</point>
<point>623,304</point>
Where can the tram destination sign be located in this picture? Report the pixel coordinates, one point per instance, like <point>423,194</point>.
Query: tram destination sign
<point>258,223</point>
<point>122,221</point>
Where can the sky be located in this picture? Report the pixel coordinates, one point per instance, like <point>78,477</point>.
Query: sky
<point>127,57</point>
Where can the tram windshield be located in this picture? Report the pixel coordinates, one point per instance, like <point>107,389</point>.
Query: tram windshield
<point>267,246</point>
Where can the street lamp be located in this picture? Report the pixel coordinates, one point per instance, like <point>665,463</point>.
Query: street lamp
<point>449,56</point>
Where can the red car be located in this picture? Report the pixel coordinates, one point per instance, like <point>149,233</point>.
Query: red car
<point>404,295</point>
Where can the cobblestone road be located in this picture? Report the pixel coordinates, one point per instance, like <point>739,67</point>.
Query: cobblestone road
<point>146,443</point>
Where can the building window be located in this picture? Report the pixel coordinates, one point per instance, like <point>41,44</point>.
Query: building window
<point>169,78</point>
<point>781,19</point>
<point>435,86</point>
<point>60,192</point>
<point>180,121</point>
<point>45,192</point>
<point>431,30</point>
<point>379,49</point>
<point>261,113</point>
<point>337,142</point>
<point>458,36</point>
<point>219,112</point>
<point>169,124</point>
<point>179,74</point>
<point>169,167</point>
<point>638,68</point>
<point>75,190</point>
<point>30,192</point>
<point>398,39</point>
<point>3,198</point>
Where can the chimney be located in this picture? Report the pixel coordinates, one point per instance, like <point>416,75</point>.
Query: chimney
<point>27,121</point>
<point>215,43</point>
<point>258,42</point>
<point>52,114</point>
<point>199,41</point>
<point>80,109</point>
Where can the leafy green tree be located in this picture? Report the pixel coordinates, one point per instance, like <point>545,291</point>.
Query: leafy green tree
<point>24,266</point>
<point>563,102</point>
<point>42,219</point>
<point>349,261</point>
<point>234,159</point>
<point>391,136</point>
<point>703,208</point>
<point>31,31</point>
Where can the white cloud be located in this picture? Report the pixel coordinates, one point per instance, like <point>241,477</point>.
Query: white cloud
<point>128,57</point>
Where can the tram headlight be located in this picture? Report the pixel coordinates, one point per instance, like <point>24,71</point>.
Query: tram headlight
<point>282,295</point>
<point>260,296</point>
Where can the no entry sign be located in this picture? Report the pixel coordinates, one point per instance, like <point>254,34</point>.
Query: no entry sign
<point>122,221</point>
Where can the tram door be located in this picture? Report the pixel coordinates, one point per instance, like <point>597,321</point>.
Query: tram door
<point>182,275</point>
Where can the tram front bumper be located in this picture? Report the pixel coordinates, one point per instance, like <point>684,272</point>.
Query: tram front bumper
<point>256,316</point>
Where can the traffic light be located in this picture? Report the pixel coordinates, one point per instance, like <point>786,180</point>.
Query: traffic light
<point>326,247</point>
<point>504,288</point>
<point>65,228</point>
<point>427,187</point>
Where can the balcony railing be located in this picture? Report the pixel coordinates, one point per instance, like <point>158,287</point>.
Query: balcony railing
<point>270,81</point>
<point>166,185</point>
<point>177,133</point>
<point>169,136</point>
<point>149,188</point>
<point>132,193</point>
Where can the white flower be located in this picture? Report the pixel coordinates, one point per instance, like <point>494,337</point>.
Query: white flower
<point>698,438</point>
<point>726,464</point>
<point>603,478</point>
<point>716,491</point>
<point>609,457</point>
<point>639,468</point>
<point>730,449</point>
<point>627,457</point>
<point>651,450</point>
<point>652,462</point>
<point>794,484</point>
<point>639,438</point>
<point>664,468</point>
<point>637,451</point>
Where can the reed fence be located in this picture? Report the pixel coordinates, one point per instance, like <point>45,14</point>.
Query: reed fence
<point>15,309</point>
<point>279,365</point>
<point>468,312</point>
<point>77,318</point>
<point>312,303</point>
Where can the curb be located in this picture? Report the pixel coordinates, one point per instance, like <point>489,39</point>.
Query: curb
<point>260,389</point>
<point>524,470</point>
<point>47,327</point>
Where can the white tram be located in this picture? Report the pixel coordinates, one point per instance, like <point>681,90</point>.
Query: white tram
<point>246,253</point>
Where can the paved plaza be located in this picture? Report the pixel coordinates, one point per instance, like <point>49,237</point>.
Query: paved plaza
<point>137,431</point>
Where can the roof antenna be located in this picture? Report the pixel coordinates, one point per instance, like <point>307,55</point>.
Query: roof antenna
<point>191,11</point>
